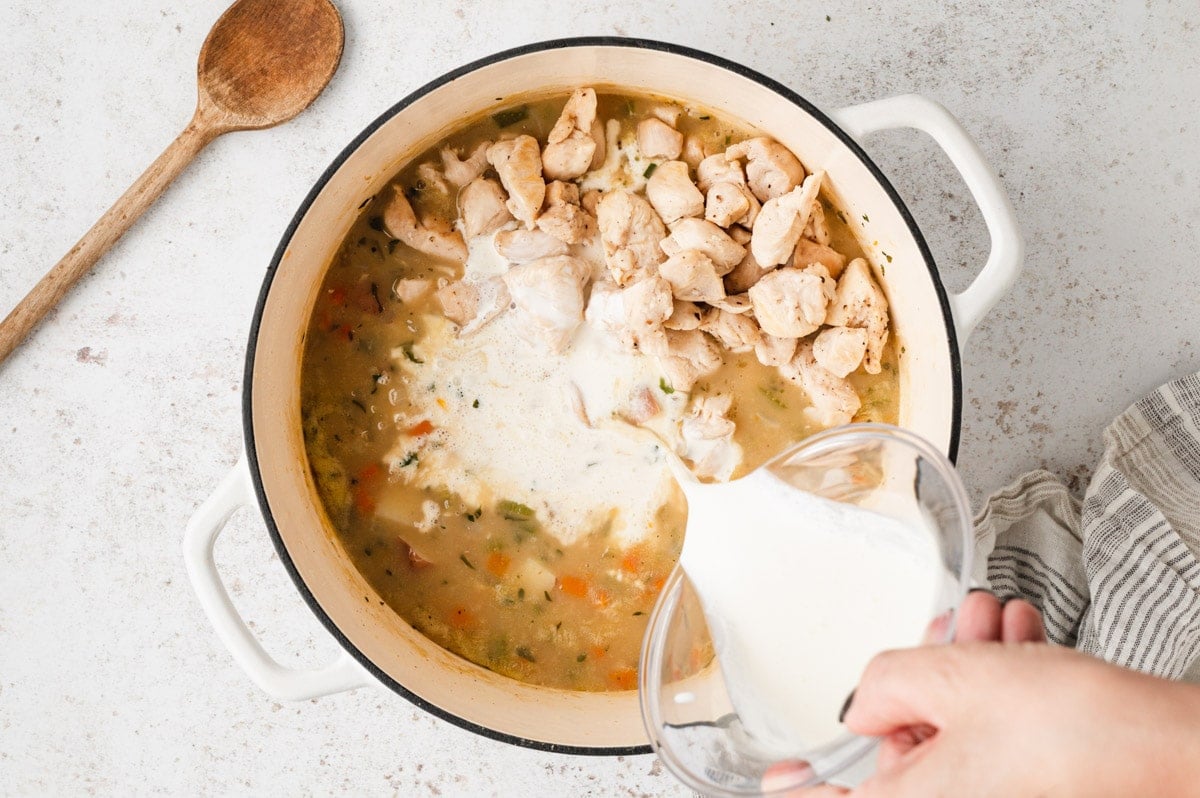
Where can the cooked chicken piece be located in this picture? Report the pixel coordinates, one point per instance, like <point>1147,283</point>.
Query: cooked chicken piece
<point>738,304</point>
<point>735,332</point>
<point>460,172</point>
<point>840,350</point>
<point>834,401</point>
<point>719,169</point>
<point>748,220</point>
<point>818,229</point>
<point>739,233</point>
<point>692,276</point>
<point>471,305</point>
<point>631,232</point>
<point>771,169</point>
<point>745,274</point>
<point>690,355</point>
<point>522,246</point>
<point>808,252</point>
<point>432,178</point>
<point>667,113</point>
<point>481,207</point>
<point>601,145</point>
<point>563,218</point>
<point>568,223</point>
<point>410,289</point>
<point>562,192</point>
<point>684,316</point>
<point>695,150</point>
<point>859,302</point>
<point>723,251</point>
<point>634,315</point>
<point>643,406</point>
<point>428,237</point>
<point>772,351</point>
<point>782,220</point>
<point>590,201</point>
<point>672,192</point>
<point>790,302</point>
<point>570,146</point>
<point>708,441</point>
<point>519,163</point>
<point>549,292</point>
<point>725,204</point>
<point>657,139</point>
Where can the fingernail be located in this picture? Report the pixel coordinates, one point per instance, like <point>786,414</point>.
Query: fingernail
<point>846,707</point>
<point>979,590</point>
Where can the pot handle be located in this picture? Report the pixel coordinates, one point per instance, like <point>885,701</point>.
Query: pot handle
<point>287,684</point>
<point>1008,248</point>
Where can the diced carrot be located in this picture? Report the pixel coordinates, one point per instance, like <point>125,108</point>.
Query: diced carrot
<point>597,652</point>
<point>420,428</point>
<point>369,472</point>
<point>573,586</point>
<point>631,562</point>
<point>624,678</point>
<point>337,296</point>
<point>461,618</point>
<point>656,585</point>
<point>364,502</point>
<point>497,563</point>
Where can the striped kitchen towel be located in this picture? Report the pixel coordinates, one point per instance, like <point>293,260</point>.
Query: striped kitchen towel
<point>1117,574</point>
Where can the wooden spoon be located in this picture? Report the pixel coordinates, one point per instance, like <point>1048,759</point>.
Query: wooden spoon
<point>263,62</point>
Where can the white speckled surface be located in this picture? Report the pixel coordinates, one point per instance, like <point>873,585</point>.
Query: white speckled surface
<point>123,411</point>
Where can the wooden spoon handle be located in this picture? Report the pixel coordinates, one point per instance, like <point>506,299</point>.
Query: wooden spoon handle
<point>104,233</point>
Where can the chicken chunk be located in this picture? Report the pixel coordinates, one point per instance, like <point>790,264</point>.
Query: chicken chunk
<point>771,169</point>
<point>782,220</point>
<point>549,292</point>
<point>471,305</point>
<point>432,178</point>
<point>840,350</point>
<point>672,193</point>
<point>818,228</point>
<point>522,246</point>
<point>737,333</point>
<point>564,218</point>
<point>808,252</point>
<point>631,231</point>
<point>707,435</point>
<point>726,203</point>
<point>634,315</point>
<point>601,145</point>
<point>570,146</point>
<point>719,169</point>
<point>791,302</point>
<point>411,289</point>
<point>667,113</point>
<point>642,406</point>
<point>738,304</point>
<point>745,274</point>
<point>773,351</point>
<point>859,302</point>
<point>692,276</point>
<point>695,150</point>
<point>684,316</point>
<point>698,234</point>
<point>690,355</point>
<point>657,139</point>
<point>834,401</point>
<point>460,172</point>
<point>482,208</point>
<point>519,163</point>
<point>424,236</point>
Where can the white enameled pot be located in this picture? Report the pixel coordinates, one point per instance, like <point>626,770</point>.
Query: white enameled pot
<point>379,646</point>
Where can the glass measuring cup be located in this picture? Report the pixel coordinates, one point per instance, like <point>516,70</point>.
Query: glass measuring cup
<point>684,686</point>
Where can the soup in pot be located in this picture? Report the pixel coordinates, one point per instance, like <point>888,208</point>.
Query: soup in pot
<point>516,329</point>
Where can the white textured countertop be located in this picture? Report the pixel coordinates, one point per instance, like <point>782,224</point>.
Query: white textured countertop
<point>123,411</point>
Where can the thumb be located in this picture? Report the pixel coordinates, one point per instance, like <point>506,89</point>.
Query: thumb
<point>914,686</point>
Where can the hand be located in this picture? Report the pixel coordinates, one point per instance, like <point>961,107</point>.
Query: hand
<point>998,714</point>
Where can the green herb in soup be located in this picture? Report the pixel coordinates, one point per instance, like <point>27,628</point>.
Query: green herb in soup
<point>524,295</point>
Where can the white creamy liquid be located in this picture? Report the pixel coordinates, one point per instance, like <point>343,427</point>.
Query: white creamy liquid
<point>800,592</point>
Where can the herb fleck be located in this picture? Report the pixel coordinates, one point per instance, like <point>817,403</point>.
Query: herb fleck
<point>408,353</point>
<point>889,257</point>
<point>407,461</point>
<point>649,170</point>
<point>704,118</point>
<point>359,405</point>
<point>475,516</point>
<point>514,511</point>
<point>581,658</point>
<point>466,562</point>
<point>525,654</point>
<point>664,387</point>
<point>475,404</point>
<point>375,223</point>
<point>866,218</point>
<point>546,593</point>
<point>521,593</point>
<point>510,116</point>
